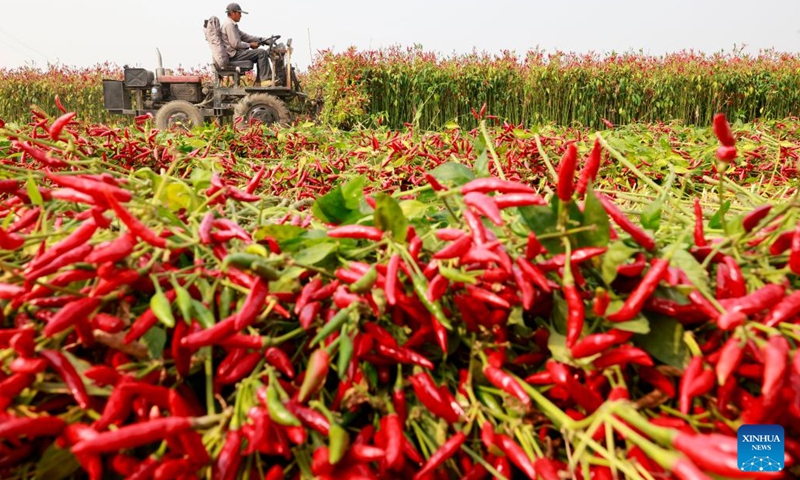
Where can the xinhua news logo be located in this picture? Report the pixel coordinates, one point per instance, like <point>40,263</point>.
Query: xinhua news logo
<point>760,448</point>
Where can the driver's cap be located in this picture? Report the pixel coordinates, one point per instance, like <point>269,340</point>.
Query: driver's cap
<point>233,7</point>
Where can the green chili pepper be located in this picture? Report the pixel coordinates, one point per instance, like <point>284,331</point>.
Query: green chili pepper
<point>421,289</point>
<point>336,323</point>
<point>277,410</point>
<point>162,308</point>
<point>338,442</point>
<point>225,299</point>
<point>255,263</point>
<point>184,301</point>
<point>457,276</point>
<point>490,401</point>
<point>202,314</point>
<point>365,283</point>
<point>345,352</point>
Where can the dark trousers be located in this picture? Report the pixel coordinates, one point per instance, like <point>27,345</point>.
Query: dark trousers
<point>259,56</point>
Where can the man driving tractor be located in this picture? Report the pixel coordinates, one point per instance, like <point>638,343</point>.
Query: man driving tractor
<point>241,46</point>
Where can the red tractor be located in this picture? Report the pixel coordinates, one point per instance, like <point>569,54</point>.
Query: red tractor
<point>185,100</point>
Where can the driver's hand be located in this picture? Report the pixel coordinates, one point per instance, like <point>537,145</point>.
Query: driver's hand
<point>253,44</point>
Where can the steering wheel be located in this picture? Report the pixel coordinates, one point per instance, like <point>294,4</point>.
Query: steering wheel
<point>269,41</point>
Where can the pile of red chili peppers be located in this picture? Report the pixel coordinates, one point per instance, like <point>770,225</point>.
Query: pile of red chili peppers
<point>175,326</point>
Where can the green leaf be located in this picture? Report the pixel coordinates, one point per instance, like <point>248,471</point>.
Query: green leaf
<point>452,172</point>
<point>716,219</point>
<point>280,233</point>
<point>332,207</point>
<point>693,269</point>
<point>617,254</point>
<point>594,215</point>
<point>482,160</point>
<point>542,219</point>
<point>178,196</point>
<point>557,344</point>
<point>389,216</point>
<point>639,324</point>
<point>651,215</point>
<point>155,339</point>
<point>353,191</point>
<point>413,209</point>
<point>56,464</point>
<point>315,253</point>
<point>33,190</point>
<point>665,341</point>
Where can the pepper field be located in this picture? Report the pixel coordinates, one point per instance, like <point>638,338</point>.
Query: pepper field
<point>439,290</point>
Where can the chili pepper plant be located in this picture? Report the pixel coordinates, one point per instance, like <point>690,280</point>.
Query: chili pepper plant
<point>496,302</point>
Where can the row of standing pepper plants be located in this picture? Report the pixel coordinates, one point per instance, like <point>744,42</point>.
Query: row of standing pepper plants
<point>259,303</point>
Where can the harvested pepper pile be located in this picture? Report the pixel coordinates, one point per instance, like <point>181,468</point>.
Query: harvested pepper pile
<point>454,320</point>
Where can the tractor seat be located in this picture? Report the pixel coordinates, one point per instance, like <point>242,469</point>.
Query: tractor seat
<point>233,69</point>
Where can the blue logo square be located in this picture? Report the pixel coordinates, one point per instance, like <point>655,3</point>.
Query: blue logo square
<point>760,448</point>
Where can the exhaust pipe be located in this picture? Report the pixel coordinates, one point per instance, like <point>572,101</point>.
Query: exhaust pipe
<point>160,68</point>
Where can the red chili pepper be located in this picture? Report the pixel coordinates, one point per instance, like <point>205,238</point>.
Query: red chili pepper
<point>599,342</point>
<point>430,396</point>
<point>47,426</point>
<point>356,231</point>
<point>316,373</point>
<point>39,155</point>
<point>79,237</point>
<point>252,185</point>
<point>148,319</point>
<point>575,312</point>
<point>485,205</point>
<point>227,463</point>
<point>699,235</point>
<point>637,233</point>
<point>657,380</point>
<point>393,427</point>
<point>579,255</point>
<point>622,356</point>
<point>27,219</point>
<point>633,304</point>
<point>454,250</point>
<point>253,304</point>
<point>135,435</point>
<point>391,282</point>
<point>114,251</point>
<point>516,454</point>
<point>690,375</point>
<point>722,130</point>
<point>69,375</point>
<point>566,173</point>
<point>784,310</point>
<point>731,355</point>
<point>589,171</point>
<point>447,450</point>
<point>493,184</point>
<point>510,200</point>
<point>310,418</point>
<point>776,361</point>
<point>533,247</point>
<point>794,254</point>
<point>475,226</point>
<point>59,124</point>
<point>69,314</point>
<point>280,360</point>
<point>506,383</point>
<point>134,225</point>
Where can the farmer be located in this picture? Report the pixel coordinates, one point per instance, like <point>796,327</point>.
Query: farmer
<point>244,47</point>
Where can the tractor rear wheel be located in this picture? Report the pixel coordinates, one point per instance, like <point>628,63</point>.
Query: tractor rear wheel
<point>178,113</point>
<point>263,107</point>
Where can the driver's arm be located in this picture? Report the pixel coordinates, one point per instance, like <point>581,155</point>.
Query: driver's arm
<point>233,37</point>
<point>250,38</point>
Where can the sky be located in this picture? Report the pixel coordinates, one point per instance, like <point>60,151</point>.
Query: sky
<point>84,33</point>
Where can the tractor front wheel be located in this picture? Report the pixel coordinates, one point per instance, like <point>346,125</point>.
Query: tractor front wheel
<point>178,113</point>
<point>263,107</point>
